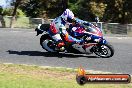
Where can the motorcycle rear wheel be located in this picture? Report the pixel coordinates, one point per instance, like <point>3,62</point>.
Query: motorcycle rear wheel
<point>46,43</point>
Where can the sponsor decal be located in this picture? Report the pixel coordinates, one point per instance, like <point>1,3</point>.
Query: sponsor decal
<point>83,78</point>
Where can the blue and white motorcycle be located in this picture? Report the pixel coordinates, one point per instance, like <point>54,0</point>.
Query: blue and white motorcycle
<point>97,44</point>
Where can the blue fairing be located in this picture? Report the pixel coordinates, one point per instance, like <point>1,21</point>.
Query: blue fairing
<point>103,41</point>
<point>94,37</point>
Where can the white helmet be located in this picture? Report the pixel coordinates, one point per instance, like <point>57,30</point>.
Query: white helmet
<point>67,15</point>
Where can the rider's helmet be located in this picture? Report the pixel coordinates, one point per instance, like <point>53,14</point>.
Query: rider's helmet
<point>67,16</point>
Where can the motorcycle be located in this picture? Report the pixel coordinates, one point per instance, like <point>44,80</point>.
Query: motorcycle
<point>97,44</point>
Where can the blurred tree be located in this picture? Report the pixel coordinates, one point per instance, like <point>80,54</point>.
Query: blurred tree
<point>88,9</point>
<point>73,5</point>
<point>107,10</point>
<point>16,4</point>
<point>97,7</point>
<point>1,17</point>
<point>119,11</point>
<point>64,5</point>
<point>42,8</point>
<point>127,12</point>
<point>31,8</point>
<point>8,12</point>
<point>81,9</point>
<point>84,9</point>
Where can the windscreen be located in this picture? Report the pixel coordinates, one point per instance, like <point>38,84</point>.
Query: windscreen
<point>90,28</point>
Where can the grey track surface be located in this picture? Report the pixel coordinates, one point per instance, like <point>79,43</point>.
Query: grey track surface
<point>22,47</point>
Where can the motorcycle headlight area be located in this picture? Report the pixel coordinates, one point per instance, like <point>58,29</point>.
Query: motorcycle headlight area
<point>95,38</point>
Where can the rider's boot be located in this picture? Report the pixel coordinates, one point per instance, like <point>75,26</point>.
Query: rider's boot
<point>60,46</point>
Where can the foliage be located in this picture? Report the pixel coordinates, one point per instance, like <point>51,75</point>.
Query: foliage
<point>1,10</point>
<point>8,12</point>
<point>107,10</point>
<point>39,8</point>
<point>119,11</point>
<point>97,8</point>
<point>20,13</point>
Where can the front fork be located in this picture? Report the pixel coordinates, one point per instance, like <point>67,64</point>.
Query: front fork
<point>95,48</point>
<point>103,41</point>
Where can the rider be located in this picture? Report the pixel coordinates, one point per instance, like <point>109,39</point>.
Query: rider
<point>58,26</point>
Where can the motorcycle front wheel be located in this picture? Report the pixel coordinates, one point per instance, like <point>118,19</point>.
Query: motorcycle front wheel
<point>104,50</point>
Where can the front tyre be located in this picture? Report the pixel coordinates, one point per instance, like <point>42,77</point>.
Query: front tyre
<point>104,50</point>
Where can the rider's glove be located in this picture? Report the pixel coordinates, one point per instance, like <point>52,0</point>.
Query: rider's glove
<point>81,41</point>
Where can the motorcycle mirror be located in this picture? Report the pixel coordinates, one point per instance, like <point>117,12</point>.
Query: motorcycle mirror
<point>96,19</point>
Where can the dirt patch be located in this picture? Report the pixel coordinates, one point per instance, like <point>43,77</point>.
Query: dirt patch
<point>38,73</point>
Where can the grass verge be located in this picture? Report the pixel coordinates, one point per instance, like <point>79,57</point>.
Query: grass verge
<point>22,76</point>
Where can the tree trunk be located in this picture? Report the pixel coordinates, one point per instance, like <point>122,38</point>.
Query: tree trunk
<point>13,19</point>
<point>2,21</point>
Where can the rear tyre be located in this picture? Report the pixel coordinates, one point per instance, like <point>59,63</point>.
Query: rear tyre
<point>47,43</point>
<point>104,51</point>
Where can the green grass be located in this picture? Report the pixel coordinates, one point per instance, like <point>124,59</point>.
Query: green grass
<point>21,76</point>
<point>21,22</point>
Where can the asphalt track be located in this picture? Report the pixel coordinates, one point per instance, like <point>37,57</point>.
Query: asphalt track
<point>22,47</point>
